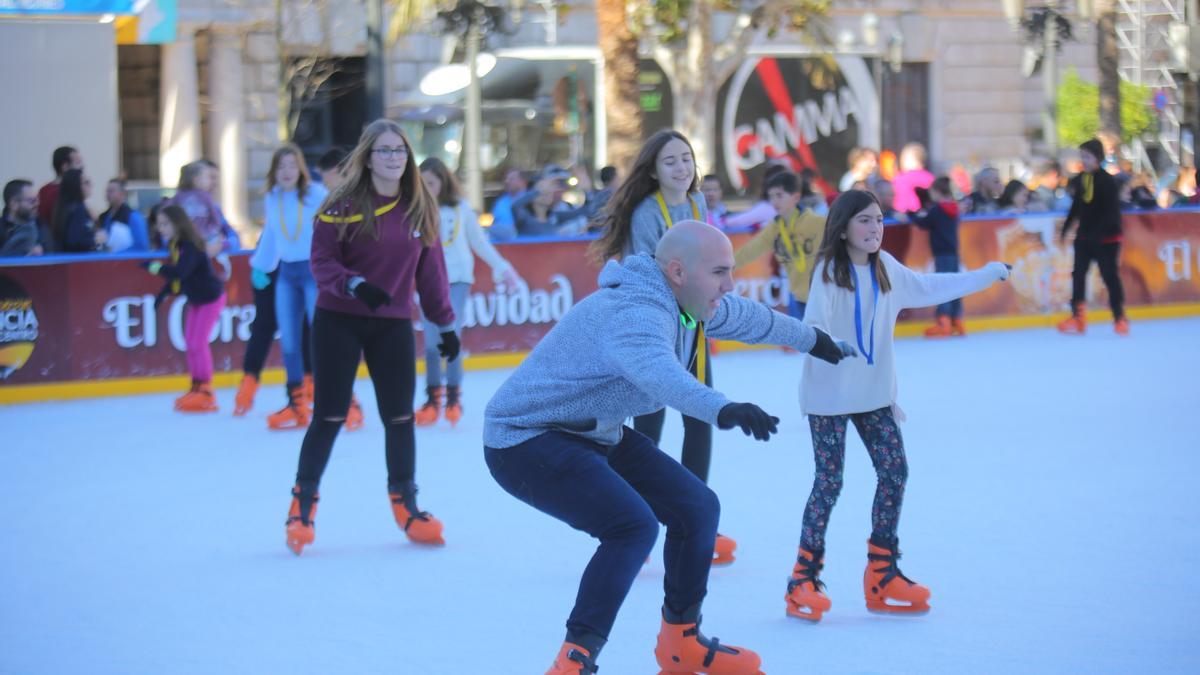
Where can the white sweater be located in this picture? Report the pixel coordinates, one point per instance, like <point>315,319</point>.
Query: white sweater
<point>854,386</point>
<point>458,245</point>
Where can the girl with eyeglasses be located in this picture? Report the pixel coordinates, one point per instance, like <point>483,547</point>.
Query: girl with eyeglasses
<point>375,242</point>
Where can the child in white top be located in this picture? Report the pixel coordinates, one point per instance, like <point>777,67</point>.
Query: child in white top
<point>856,294</point>
<point>462,240</point>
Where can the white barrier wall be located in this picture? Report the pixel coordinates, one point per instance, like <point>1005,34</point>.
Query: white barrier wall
<point>60,88</point>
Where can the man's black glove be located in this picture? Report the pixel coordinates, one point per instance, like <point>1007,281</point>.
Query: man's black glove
<point>829,350</point>
<point>371,295</point>
<point>753,420</point>
<point>449,346</point>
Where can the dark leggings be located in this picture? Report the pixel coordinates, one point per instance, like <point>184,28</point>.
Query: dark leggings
<point>880,433</point>
<point>262,332</point>
<point>697,435</point>
<point>1106,255</point>
<point>387,344</point>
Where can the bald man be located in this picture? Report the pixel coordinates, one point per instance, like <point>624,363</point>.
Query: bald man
<point>555,438</point>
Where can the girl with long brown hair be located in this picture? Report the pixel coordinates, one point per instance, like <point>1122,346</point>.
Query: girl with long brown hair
<point>282,258</point>
<point>190,273</point>
<point>857,292</point>
<point>462,239</point>
<point>663,188</point>
<point>375,242</point>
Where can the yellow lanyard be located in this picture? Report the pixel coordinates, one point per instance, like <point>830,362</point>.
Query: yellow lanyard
<point>453,232</point>
<point>798,259</point>
<point>1089,187</point>
<point>299,217</point>
<point>700,346</point>
<point>358,216</point>
<point>174,248</point>
<point>666,213</point>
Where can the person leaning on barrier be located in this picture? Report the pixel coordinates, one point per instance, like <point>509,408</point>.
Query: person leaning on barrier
<point>18,226</point>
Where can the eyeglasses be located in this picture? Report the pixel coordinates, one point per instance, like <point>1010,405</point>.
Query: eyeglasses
<point>400,151</point>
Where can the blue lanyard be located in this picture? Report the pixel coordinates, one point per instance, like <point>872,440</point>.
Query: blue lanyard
<point>870,354</point>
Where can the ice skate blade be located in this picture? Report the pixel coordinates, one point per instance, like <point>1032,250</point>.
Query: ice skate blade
<point>899,610</point>
<point>693,672</point>
<point>806,617</point>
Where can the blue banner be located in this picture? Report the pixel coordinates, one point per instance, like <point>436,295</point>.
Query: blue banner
<point>66,7</point>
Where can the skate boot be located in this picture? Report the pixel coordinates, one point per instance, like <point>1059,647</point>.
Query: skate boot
<point>886,588</point>
<point>354,415</point>
<point>805,597</point>
<point>723,550</point>
<point>420,527</point>
<point>199,400</point>
<point>1077,324</point>
<point>577,656</point>
<point>683,650</point>
<point>958,328</point>
<point>190,393</point>
<point>453,405</point>
<point>244,400</point>
<point>293,416</point>
<point>302,515</point>
<point>428,413</point>
<point>1121,326</point>
<point>940,329</point>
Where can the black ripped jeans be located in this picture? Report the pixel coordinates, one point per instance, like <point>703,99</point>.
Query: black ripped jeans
<point>338,339</point>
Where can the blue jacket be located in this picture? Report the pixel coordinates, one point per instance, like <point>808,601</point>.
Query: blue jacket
<point>620,353</point>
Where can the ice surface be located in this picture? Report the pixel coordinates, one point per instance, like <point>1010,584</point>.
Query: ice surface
<point>1048,510</point>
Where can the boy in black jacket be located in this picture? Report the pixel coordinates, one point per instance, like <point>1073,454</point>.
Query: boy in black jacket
<point>1096,207</point>
<point>939,215</point>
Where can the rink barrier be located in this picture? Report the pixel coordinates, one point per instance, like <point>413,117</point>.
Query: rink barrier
<point>84,326</point>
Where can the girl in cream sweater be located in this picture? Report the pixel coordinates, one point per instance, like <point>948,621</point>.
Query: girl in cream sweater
<point>856,294</point>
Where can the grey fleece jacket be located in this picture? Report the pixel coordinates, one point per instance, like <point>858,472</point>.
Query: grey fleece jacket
<point>619,353</point>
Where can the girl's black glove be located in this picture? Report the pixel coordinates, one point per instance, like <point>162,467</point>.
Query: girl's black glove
<point>371,295</point>
<point>450,345</point>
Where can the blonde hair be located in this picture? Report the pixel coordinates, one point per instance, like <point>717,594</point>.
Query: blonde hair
<point>355,196</point>
<point>283,151</point>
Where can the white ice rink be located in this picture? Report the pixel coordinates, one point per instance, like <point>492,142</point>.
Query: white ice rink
<point>1047,509</point>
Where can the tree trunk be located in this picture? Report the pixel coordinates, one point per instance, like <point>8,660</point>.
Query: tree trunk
<point>1107,60</point>
<point>696,91</point>
<point>622,101</point>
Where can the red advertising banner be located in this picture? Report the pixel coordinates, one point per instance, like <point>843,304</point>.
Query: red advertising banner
<point>89,319</point>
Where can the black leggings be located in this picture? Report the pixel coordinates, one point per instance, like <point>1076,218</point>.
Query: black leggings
<point>262,332</point>
<point>338,339</point>
<point>1106,255</point>
<point>697,435</point>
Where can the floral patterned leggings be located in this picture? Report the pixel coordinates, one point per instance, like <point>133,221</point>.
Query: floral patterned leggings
<point>881,435</point>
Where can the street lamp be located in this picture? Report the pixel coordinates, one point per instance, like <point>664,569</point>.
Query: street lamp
<point>476,20</point>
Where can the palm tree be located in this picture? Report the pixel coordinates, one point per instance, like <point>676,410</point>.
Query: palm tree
<point>619,47</point>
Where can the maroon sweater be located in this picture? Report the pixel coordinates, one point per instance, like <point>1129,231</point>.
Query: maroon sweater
<point>396,261</point>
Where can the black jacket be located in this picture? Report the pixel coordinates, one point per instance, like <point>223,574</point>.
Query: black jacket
<point>1100,217</point>
<point>17,239</point>
<point>941,219</point>
<point>193,270</point>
